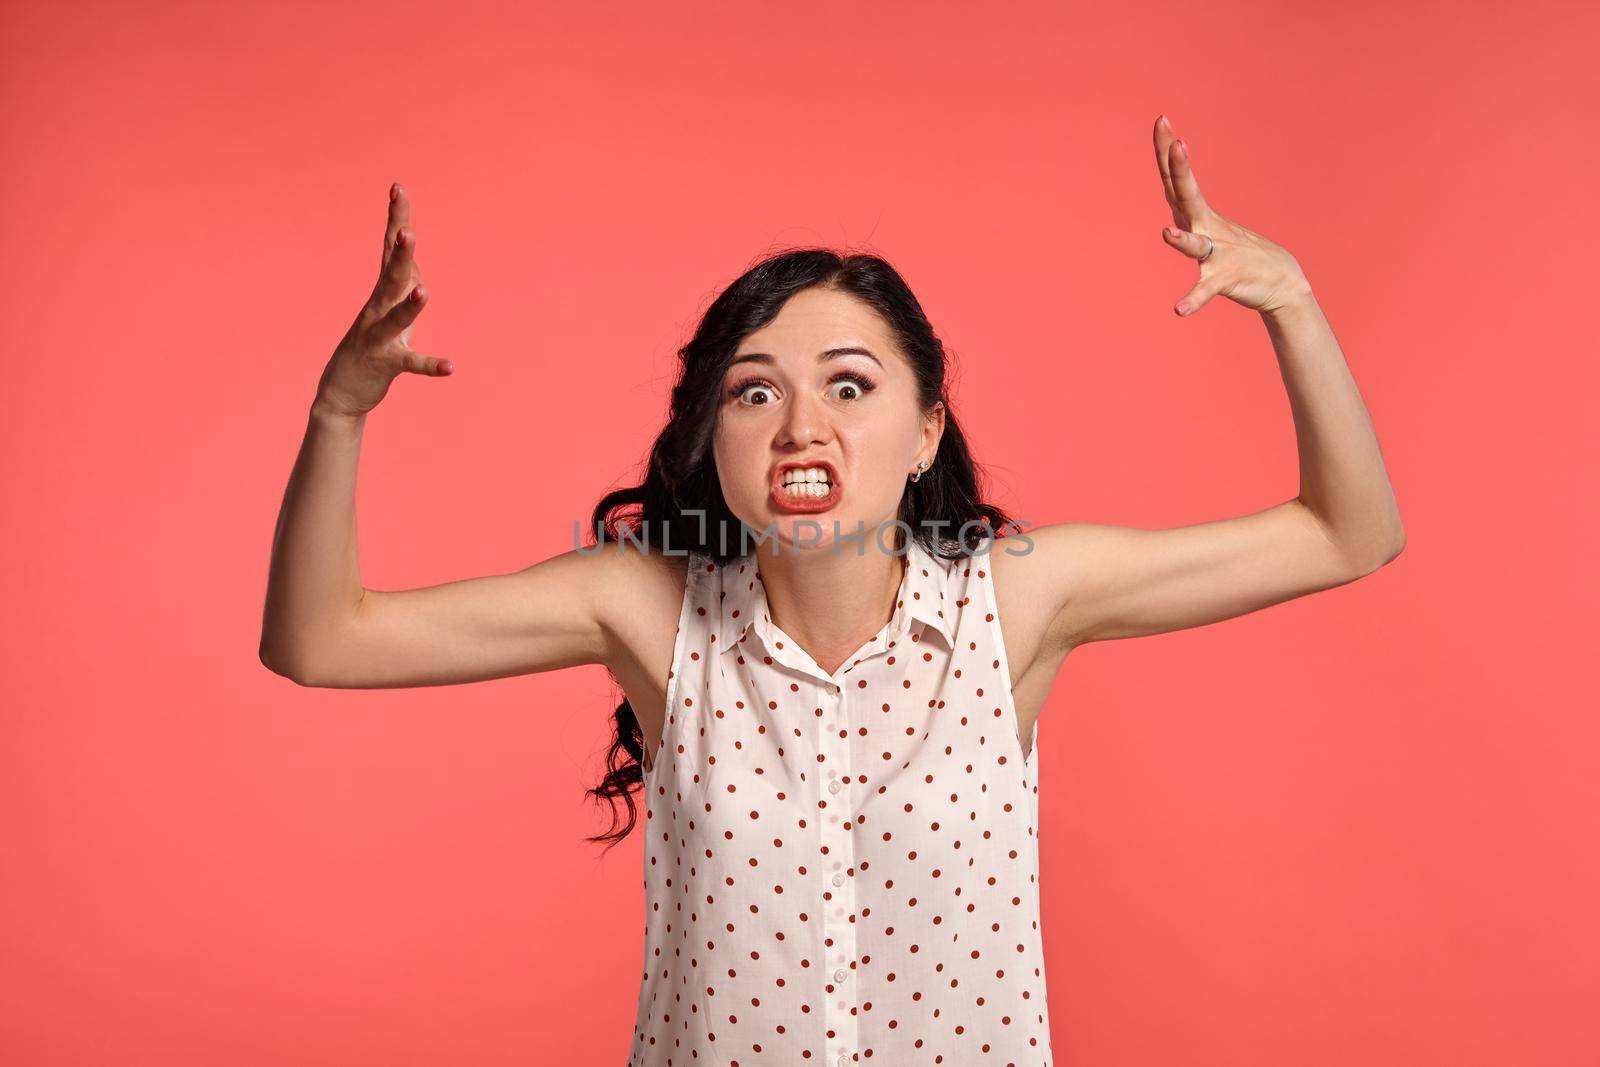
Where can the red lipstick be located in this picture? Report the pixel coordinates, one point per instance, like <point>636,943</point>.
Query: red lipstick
<point>804,505</point>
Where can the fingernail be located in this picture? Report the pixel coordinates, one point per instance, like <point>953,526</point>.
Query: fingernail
<point>399,238</point>
<point>416,295</point>
<point>394,193</point>
<point>1182,309</point>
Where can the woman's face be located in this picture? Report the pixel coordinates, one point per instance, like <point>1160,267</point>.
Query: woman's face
<point>821,384</point>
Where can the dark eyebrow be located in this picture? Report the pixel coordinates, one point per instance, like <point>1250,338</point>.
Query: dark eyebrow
<point>832,353</point>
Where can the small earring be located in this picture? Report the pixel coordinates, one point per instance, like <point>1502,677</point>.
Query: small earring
<point>920,468</point>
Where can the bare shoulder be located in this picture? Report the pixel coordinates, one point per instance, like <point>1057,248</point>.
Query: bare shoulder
<point>639,593</point>
<point>1026,570</point>
<point>641,596</point>
<point>1032,578</point>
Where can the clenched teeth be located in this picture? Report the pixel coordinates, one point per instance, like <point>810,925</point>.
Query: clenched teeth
<point>802,483</point>
<point>800,490</point>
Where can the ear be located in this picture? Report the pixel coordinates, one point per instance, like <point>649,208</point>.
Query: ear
<point>933,429</point>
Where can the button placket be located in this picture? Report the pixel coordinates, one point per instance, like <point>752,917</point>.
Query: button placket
<point>840,1012</point>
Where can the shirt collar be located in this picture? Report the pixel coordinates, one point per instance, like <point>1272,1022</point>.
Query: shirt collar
<point>921,597</point>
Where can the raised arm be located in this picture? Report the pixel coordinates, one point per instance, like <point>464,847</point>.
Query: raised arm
<point>321,627</point>
<point>1104,582</point>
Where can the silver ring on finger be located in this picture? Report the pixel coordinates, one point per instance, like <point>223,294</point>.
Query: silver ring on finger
<point>1211,246</point>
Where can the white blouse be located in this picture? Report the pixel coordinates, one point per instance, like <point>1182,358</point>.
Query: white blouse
<point>841,868</point>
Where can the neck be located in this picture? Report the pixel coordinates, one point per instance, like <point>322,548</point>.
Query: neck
<point>830,601</point>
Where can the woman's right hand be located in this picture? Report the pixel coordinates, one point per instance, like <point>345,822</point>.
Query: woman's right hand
<point>377,347</point>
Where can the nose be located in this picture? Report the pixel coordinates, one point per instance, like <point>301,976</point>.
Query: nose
<point>804,423</point>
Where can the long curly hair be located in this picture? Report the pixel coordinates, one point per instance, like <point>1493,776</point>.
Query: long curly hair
<point>681,497</point>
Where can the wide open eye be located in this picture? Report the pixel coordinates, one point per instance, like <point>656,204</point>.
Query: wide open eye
<point>857,385</point>
<point>753,387</point>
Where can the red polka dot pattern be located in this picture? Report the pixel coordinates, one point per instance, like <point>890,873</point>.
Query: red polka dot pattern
<point>842,869</point>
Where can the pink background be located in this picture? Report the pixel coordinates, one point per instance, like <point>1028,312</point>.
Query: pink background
<point>1356,828</point>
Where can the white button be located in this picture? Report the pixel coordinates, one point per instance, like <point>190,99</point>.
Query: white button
<point>838,879</point>
<point>840,975</point>
<point>844,1058</point>
<point>834,786</point>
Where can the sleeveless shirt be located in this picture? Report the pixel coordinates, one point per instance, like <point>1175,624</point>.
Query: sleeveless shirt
<point>841,868</point>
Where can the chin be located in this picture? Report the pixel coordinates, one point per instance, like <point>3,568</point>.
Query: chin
<point>851,533</point>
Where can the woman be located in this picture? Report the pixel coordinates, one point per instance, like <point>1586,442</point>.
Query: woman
<point>833,723</point>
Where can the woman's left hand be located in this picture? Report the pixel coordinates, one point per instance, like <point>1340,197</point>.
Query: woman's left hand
<point>1235,262</point>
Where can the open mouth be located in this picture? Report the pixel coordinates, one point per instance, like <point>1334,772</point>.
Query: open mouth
<point>805,485</point>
